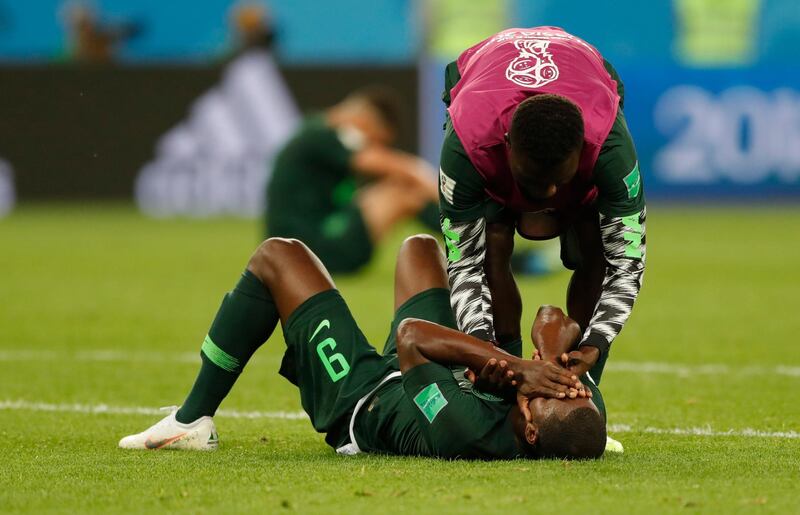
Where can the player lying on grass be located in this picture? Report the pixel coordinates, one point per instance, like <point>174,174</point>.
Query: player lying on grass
<point>406,400</point>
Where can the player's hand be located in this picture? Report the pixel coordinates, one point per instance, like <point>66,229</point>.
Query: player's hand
<point>537,378</point>
<point>582,360</point>
<point>494,377</point>
<point>523,402</point>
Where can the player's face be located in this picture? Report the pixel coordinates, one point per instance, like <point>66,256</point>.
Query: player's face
<point>375,130</point>
<point>537,184</point>
<point>542,408</point>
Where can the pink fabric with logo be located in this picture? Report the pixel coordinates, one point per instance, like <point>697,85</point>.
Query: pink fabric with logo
<point>505,69</point>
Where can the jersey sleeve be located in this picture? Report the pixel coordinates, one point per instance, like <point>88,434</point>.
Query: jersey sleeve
<point>622,226</point>
<point>616,174</point>
<point>463,203</point>
<point>624,243</point>
<point>453,422</point>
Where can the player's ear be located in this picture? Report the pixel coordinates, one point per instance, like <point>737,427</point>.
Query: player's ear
<point>531,433</point>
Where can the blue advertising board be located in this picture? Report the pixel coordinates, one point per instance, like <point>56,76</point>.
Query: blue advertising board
<point>699,133</point>
<point>715,133</point>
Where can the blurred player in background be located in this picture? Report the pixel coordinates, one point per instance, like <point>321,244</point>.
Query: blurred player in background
<point>405,400</point>
<point>253,25</point>
<point>536,142</point>
<point>338,186</point>
<point>95,41</point>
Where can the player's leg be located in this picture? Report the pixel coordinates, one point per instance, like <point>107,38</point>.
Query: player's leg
<point>420,266</point>
<point>290,272</point>
<point>279,277</point>
<point>384,203</point>
<point>582,251</point>
<point>420,286</point>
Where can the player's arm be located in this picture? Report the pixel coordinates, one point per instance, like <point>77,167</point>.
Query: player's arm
<point>553,333</point>
<point>462,201</point>
<point>624,239</point>
<point>420,342</point>
<point>383,162</point>
<point>622,215</point>
<point>506,299</point>
<point>378,161</point>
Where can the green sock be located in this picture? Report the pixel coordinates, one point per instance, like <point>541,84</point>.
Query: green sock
<point>430,216</point>
<point>245,320</point>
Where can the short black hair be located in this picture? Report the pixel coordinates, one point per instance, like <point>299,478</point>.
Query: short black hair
<point>578,436</point>
<point>546,128</point>
<point>384,100</point>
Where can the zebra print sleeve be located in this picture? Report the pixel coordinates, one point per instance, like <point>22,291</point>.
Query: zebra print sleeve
<point>470,297</point>
<point>624,249</point>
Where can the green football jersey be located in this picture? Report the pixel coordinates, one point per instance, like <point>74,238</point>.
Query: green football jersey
<point>434,412</point>
<point>311,177</point>
<point>429,413</point>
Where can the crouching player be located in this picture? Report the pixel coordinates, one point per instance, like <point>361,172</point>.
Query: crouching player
<point>406,400</point>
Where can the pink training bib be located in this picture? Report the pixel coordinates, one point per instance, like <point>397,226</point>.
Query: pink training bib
<point>505,69</point>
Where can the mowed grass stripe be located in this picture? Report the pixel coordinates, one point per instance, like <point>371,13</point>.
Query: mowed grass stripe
<point>632,367</point>
<point>719,299</point>
<point>105,409</point>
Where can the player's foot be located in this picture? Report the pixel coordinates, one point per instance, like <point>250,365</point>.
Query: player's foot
<point>614,446</point>
<point>168,433</point>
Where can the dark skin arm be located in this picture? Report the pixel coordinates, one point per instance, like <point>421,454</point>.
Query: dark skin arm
<point>555,335</point>
<point>506,300</point>
<point>586,283</point>
<point>420,342</point>
<point>383,162</point>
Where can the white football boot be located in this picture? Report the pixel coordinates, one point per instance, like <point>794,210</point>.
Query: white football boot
<point>168,433</point>
<point>614,446</point>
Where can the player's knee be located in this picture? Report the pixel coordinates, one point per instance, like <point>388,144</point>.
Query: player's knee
<point>407,333</point>
<point>272,255</point>
<point>421,243</point>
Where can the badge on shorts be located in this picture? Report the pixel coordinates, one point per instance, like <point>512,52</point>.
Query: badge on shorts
<point>430,401</point>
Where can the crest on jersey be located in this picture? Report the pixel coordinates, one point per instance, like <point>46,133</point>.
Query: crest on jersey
<point>534,66</point>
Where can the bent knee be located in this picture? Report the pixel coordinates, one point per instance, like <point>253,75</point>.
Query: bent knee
<point>407,331</point>
<point>272,254</point>
<point>421,242</point>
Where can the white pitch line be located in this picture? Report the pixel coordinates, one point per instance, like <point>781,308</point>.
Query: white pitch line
<point>105,409</point>
<point>109,355</point>
<point>684,370</point>
<point>100,355</point>
<point>703,431</point>
<point>101,409</point>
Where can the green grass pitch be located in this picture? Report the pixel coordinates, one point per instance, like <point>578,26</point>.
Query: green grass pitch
<point>101,307</point>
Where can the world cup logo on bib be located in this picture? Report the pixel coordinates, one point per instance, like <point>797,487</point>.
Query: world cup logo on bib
<point>534,66</point>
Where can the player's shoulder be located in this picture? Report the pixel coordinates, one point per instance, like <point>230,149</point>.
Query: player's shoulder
<point>616,173</point>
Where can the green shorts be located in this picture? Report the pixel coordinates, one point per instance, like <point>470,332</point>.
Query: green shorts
<point>330,360</point>
<point>340,239</point>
